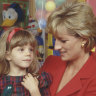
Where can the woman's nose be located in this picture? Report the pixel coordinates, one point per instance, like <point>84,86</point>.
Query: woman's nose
<point>57,45</point>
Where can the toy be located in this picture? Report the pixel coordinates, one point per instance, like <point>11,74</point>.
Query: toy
<point>34,28</point>
<point>12,16</point>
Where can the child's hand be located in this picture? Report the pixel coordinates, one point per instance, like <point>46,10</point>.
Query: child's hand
<point>31,84</point>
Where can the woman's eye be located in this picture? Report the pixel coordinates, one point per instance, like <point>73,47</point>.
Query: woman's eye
<point>63,41</point>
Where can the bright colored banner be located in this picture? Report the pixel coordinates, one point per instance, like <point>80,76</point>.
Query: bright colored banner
<point>93,5</point>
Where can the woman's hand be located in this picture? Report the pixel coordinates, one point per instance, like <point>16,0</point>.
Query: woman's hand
<point>31,84</point>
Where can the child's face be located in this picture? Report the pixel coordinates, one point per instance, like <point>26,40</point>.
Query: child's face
<point>21,57</point>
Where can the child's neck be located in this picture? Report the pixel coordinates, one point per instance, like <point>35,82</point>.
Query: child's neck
<point>17,72</point>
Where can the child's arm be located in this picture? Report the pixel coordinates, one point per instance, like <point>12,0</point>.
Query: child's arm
<point>31,84</point>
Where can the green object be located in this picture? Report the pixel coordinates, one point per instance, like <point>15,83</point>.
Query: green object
<point>8,90</point>
<point>59,2</point>
<point>40,4</point>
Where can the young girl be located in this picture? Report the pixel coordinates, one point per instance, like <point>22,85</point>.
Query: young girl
<point>19,65</point>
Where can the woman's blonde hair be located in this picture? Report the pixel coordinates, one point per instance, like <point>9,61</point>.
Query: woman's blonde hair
<point>20,38</point>
<point>77,18</point>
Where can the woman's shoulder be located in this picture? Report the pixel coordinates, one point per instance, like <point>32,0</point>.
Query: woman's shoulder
<point>92,83</point>
<point>53,61</point>
<point>45,79</point>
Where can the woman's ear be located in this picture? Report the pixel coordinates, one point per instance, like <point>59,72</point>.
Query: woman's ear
<point>84,41</point>
<point>7,56</point>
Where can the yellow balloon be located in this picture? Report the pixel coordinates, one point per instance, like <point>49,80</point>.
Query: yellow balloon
<point>50,6</point>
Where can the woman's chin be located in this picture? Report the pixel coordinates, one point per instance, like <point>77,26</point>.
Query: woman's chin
<point>63,58</point>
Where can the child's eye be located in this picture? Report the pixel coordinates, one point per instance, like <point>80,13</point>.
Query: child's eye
<point>31,49</point>
<point>21,49</point>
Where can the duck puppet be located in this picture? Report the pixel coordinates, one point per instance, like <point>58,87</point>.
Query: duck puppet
<point>12,16</point>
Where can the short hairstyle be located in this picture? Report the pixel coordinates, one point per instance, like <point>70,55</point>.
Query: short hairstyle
<point>20,38</point>
<point>79,20</point>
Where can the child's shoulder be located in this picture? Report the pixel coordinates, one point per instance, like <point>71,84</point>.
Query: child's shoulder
<point>2,79</point>
<point>45,79</point>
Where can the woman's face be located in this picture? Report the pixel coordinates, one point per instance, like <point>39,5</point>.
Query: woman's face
<point>68,46</point>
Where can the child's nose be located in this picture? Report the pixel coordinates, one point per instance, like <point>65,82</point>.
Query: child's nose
<point>28,52</point>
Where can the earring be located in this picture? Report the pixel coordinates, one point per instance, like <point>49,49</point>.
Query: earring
<point>82,45</point>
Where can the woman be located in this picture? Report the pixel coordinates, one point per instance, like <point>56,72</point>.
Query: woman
<point>74,72</point>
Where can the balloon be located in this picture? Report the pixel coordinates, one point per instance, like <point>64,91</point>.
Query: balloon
<point>42,23</point>
<point>50,6</point>
<point>40,14</point>
<point>40,4</point>
<point>59,2</point>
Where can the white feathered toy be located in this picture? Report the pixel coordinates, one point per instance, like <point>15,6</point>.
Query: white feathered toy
<point>12,16</point>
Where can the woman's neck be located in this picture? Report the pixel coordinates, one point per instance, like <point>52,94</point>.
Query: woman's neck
<point>79,62</point>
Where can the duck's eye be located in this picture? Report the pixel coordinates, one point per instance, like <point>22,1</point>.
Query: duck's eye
<point>9,17</point>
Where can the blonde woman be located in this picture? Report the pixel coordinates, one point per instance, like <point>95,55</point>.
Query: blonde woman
<point>73,25</point>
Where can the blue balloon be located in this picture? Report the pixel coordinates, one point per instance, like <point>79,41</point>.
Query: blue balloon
<point>42,23</point>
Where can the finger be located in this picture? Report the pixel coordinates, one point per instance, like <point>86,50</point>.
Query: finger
<point>24,79</point>
<point>35,75</point>
<point>22,83</point>
<point>36,80</point>
<point>26,76</point>
<point>29,75</point>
